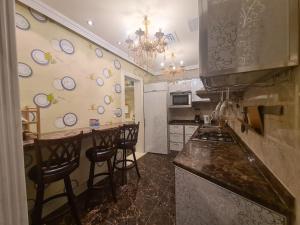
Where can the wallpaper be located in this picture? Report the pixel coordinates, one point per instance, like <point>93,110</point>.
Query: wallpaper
<point>70,78</point>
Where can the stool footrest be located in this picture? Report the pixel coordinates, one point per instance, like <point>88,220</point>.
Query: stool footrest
<point>101,174</point>
<point>127,167</point>
<point>54,197</point>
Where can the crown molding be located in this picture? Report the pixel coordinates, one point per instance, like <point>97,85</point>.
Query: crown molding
<point>77,28</point>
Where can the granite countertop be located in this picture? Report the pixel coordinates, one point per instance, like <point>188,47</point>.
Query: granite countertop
<point>185,122</point>
<point>236,168</point>
<point>61,134</point>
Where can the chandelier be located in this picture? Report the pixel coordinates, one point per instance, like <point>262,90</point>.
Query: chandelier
<point>172,68</point>
<point>144,48</point>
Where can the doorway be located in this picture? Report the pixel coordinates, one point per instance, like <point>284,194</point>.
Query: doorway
<point>133,104</point>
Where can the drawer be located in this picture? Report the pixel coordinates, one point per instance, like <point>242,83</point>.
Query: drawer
<point>176,146</point>
<point>176,129</point>
<point>190,129</point>
<point>176,138</point>
<point>187,138</point>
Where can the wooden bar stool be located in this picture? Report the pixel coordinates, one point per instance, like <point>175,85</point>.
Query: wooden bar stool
<point>105,143</point>
<point>56,160</point>
<point>129,138</point>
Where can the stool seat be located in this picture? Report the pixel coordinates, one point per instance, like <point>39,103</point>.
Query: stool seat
<point>97,154</point>
<point>56,160</point>
<point>37,173</point>
<point>105,143</point>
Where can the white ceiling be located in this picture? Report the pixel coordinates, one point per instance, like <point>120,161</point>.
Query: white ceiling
<point>115,19</point>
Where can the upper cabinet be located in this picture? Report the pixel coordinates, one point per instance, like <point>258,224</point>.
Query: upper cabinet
<point>238,36</point>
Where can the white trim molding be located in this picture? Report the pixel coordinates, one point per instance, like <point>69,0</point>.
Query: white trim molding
<point>77,28</point>
<point>13,203</point>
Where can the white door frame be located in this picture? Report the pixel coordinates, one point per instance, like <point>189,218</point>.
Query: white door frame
<point>138,105</point>
<point>13,201</point>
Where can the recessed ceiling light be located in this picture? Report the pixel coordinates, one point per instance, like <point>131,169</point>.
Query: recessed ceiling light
<point>90,22</point>
<point>119,43</point>
<point>181,62</point>
<point>174,67</point>
<point>162,64</point>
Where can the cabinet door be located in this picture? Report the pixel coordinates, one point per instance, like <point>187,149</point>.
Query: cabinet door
<point>176,129</point>
<point>190,129</point>
<point>247,35</point>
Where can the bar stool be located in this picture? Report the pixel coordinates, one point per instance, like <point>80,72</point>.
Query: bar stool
<point>105,143</point>
<point>56,160</point>
<point>129,138</point>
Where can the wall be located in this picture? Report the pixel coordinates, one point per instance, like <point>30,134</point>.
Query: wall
<point>93,81</point>
<point>279,148</point>
<point>201,109</point>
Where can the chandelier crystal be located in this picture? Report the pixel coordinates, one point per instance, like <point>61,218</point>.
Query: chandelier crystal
<point>173,68</point>
<point>144,48</point>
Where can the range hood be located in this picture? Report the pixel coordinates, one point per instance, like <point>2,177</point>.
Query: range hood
<point>243,42</point>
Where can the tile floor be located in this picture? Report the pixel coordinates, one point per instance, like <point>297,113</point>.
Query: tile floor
<point>149,200</point>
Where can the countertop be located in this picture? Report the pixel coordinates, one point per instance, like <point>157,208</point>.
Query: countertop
<point>185,122</point>
<point>28,144</point>
<point>236,168</point>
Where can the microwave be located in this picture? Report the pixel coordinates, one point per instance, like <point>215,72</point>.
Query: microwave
<point>180,100</point>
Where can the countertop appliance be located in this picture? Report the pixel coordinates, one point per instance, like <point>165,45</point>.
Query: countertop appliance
<point>156,122</point>
<point>215,136</point>
<point>180,100</point>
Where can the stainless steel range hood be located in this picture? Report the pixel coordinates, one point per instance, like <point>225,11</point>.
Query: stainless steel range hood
<point>245,41</point>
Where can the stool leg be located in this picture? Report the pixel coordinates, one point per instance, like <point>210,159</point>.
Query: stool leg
<point>124,167</point>
<point>90,183</point>
<point>111,179</point>
<point>71,200</point>
<point>135,162</point>
<point>36,216</point>
<point>115,160</point>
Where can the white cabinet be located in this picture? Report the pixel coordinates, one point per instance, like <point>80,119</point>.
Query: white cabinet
<point>176,137</point>
<point>189,129</point>
<point>176,129</point>
<point>180,135</point>
<point>196,85</point>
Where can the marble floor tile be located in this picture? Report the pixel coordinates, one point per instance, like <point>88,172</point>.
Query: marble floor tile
<point>146,201</point>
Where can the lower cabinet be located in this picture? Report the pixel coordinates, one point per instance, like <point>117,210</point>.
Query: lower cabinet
<point>179,135</point>
<point>201,202</point>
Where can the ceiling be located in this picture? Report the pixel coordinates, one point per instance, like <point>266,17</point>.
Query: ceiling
<point>114,20</point>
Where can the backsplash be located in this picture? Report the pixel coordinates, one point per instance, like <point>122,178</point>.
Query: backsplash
<point>189,113</point>
<point>279,148</point>
<point>69,77</point>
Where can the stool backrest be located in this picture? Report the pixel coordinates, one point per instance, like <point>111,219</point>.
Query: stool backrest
<point>129,133</point>
<point>58,155</point>
<point>106,139</point>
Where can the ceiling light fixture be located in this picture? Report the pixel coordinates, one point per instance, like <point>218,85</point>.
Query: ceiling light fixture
<point>173,69</point>
<point>119,43</point>
<point>143,48</point>
<point>90,22</point>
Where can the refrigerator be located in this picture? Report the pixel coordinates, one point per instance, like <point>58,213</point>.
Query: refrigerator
<point>156,117</point>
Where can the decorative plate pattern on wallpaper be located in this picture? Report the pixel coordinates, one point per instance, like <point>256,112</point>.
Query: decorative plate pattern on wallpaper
<point>42,100</point>
<point>38,16</point>
<point>39,57</point>
<point>106,73</point>
<point>118,88</point>
<point>118,112</point>
<point>107,99</point>
<point>100,81</point>
<point>21,22</point>
<point>99,52</point>
<point>101,109</point>
<point>117,64</point>
<point>59,123</point>
<point>24,70</point>
<point>67,46</point>
<point>70,119</point>
<point>68,83</point>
